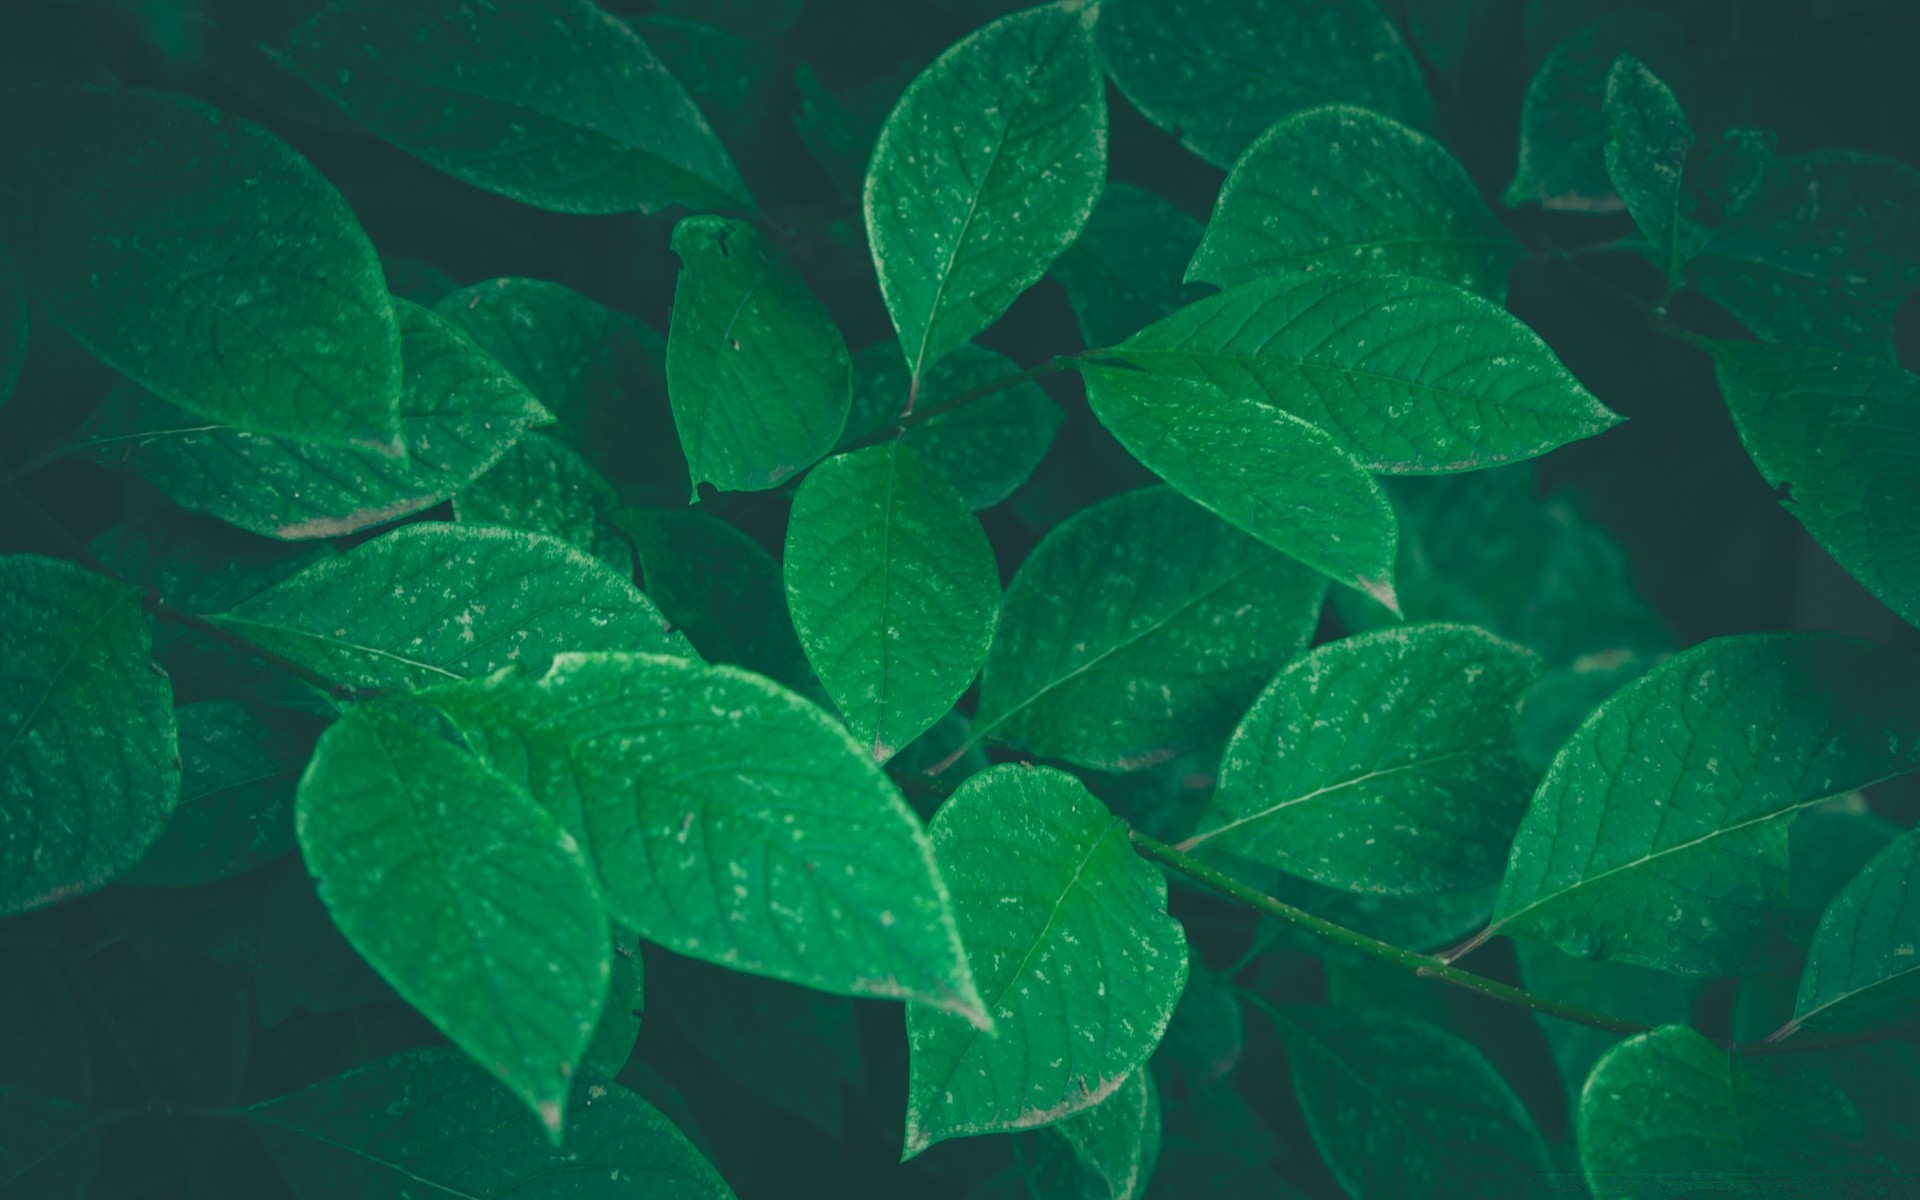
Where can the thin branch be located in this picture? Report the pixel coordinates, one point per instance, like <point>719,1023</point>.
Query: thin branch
<point>909,419</point>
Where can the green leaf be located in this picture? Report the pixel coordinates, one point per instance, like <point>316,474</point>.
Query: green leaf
<point>464,894</point>
<point>1207,1036</point>
<point>305,963</point>
<point>893,589</point>
<point>619,1028</point>
<point>198,563</point>
<point>759,377</point>
<point>1862,969</point>
<point>433,602</point>
<point>1618,989</point>
<point>1219,72</point>
<point>1561,699</point>
<point>729,820</point>
<point>543,485</point>
<point>1380,763</point>
<point>1259,468</point>
<point>1841,433</point>
<point>720,71</point>
<point>49,1146</point>
<point>1647,162</point>
<point>459,413</point>
<point>198,255</point>
<point>429,1119</point>
<point>555,103</point>
<point>1071,945</point>
<point>1139,629</point>
<point>601,373</point>
<point>1105,1153</point>
<point>1399,1107</point>
<point>719,588</point>
<point>1127,269</point>
<point>840,129</point>
<point>1671,1103</point>
<point>1338,188</point>
<point>15,325</point>
<point>88,774</point>
<point>1409,376</point>
<point>1659,835</point>
<point>238,767</point>
<point>985,171</point>
<point>1825,254</point>
<point>985,448</point>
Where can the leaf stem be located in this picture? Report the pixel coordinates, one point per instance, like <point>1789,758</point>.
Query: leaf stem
<point>909,419</point>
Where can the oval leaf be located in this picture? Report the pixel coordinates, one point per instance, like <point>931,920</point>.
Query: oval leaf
<point>543,485</point>
<point>1105,1153</point>
<point>1863,968</point>
<point>1126,269</point>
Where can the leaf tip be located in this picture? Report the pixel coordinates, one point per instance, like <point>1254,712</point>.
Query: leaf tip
<point>1382,591</point>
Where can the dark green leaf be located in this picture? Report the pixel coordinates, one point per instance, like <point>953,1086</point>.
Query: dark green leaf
<point>433,602</point>
<point>1409,376</point>
<point>1671,1103</point>
<point>543,485</point>
<point>893,589</point>
<point>1105,1153</point>
<point>464,894</point>
<point>986,447</point>
<point>15,325</point>
<point>729,820</point>
<point>239,764</point>
<point>1260,468</point>
<point>88,773</point>
<point>759,377</point>
<point>1862,970</point>
<point>1071,945</point>
<point>601,373</point>
<point>459,413</point>
<point>1647,161</point>
<point>1380,763</point>
<point>1399,1107</point>
<point>198,255</point>
<point>49,1147</point>
<point>1561,699</point>
<point>1218,72</point>
<point>984,172</point>
<point>1127,268</point>
<point>1659,835</point>
<point>1207,1036</point>
<point>840,129</point>
<point>1618,989</point>
<point>429,1119</point>
<point>1139,629</point>
<point>619,1026</point>
<point>556,103</point>
<point>1841,433</point>
<point>1337,188</point>
<point>305,963</point>
<point>718,68</point>
<point>198,563</point>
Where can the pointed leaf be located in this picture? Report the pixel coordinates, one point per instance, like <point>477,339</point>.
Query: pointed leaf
<point>893,589</point>
<point>1215,71</point>
<point>1259,468</point>
<point>1139,629</point>
<point>1105,1153</point>
<point>1338,188</point>
<point>1841,433</point>
<point>729,820</point>
<point>1127,268</point>
<point>1670,1103</point>
<point>434,602</point>
<point>1410,376</point>
<point>459,413</point>
<point>429,1119</point>
<point>1380,763</point>
<point>1659,833</point>
<point>464,894</point>
<point>555,103</point>
<point>984,172</point>
<point>1862,969</point>
<point>198,255</point>
<point>1647,162</point>
<point>88,774</point>
<point>543,485</point>
<point>1073,950</point>
<point>759,377</point>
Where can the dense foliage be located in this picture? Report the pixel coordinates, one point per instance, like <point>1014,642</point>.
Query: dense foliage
<point>722,597</point>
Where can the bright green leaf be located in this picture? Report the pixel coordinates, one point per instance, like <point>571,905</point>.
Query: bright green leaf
<point>1647,162</point>
<point>543,485</point>
<point>1259,468</point>
<point>1219,72</point>
<point>555,103</point>
<point>1841,433</point>
<point>1659,835</point>
<point>428,1122</point>
<point>984,172</point>
<point>1127,269</point>
<point>1139,629</point>
<point>459,413</point>
<point>433,602</point>
<point>1409,376</point>
<point>1380,763</point>
<point>729,820</point>
<point>1105,1153</point>
<point>198,255</point>
<point>464,894</point>
<point>1337,188</point>
<point>1071,945</point>
<point>893,589</point>
<point>1862,970</point>
<point>1670,1103</point>
<point>88,774</point>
